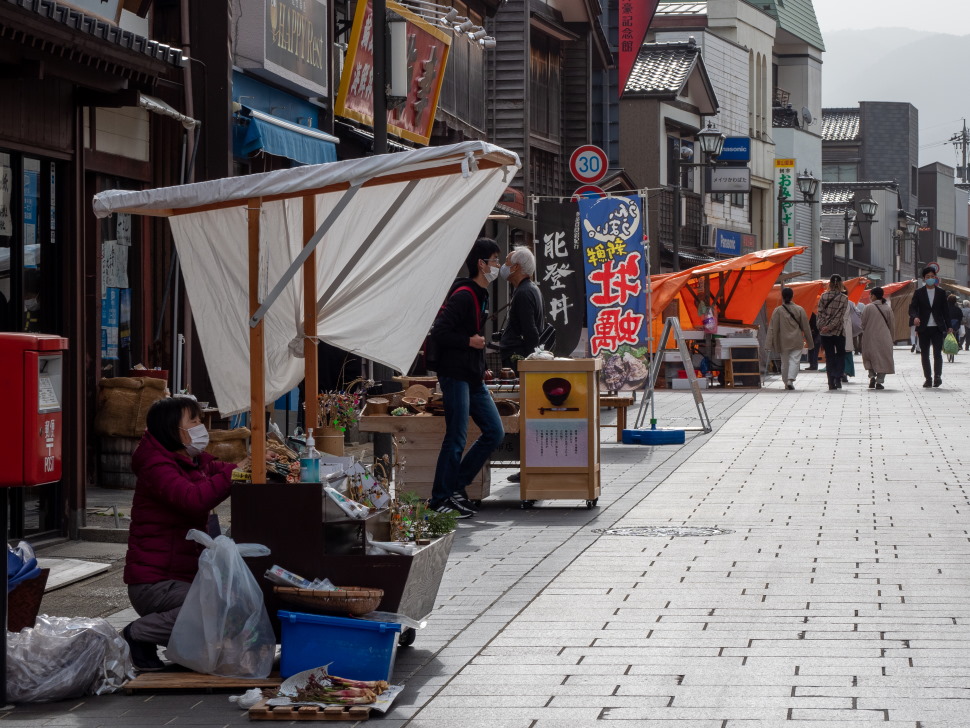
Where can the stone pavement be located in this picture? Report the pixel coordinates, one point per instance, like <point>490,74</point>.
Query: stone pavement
<point>835,595</point>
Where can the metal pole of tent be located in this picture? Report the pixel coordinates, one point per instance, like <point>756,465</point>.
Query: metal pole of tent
<point>311,385</point>
<point>257,378</point>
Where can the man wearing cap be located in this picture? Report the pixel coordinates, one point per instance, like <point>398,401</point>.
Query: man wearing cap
<point>931,316</point>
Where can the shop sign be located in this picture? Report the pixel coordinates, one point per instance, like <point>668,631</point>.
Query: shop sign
<point>924,218</point>
<point>749,243</point>
<point>427,53</point>
<point>559,271</point>
<point>785,172</point>
<point>728,242</point>
<point>728,179</point>
<point>616,307</point>
<point>284,41</point>
<point>735,149</point>
<point>634,17</point>
<point>109,10</point>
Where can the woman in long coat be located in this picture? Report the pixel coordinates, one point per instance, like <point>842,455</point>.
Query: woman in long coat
<point>877,341</point>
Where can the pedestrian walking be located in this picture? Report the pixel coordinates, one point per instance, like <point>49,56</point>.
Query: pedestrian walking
<point>965,310</point>
<point>816,343</point>
<point>788,334</point>
<point>956,322</point>
<point>835,328</point>
<point>457,332</point>
<point>931,318</point>
<point>878,325</point>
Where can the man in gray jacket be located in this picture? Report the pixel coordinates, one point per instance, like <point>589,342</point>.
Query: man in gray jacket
<point>525,320</point>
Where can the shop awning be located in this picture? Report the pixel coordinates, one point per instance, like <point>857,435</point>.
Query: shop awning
<point>807,293</point>
<point>273,135</point>
<point>888,289</point>
<point>390,234</point>
<point>736,287</point>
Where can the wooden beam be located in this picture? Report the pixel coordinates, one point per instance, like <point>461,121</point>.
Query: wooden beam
<point>257,376</point>
<point>311,386</point>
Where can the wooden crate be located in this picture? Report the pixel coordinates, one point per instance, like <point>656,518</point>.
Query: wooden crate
<point>262,711</point>
<point>176,680</point>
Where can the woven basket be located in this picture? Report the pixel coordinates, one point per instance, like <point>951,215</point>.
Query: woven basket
<point>353,600</point>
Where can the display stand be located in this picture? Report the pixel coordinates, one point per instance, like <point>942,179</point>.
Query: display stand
<point>559,430</point>
<point>418,439</point>
<point>743,368</point>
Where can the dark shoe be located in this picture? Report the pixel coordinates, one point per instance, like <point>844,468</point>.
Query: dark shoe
<point>811,369</point>
<point>838,385</point>
<point>450,504</point>
<point>879,386</point>
<point>845,378</point>
<point>912,348</point>
<point>937,382</point>
<point>463,500</point>
<point>789,386</point>
<point>872,383</point>
<point>928,383</point>
<point>515,477</point>
<point>832,385</point>
<point>144,655</point>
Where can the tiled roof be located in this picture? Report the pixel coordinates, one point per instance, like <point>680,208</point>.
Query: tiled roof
<point>784,118</point>
<point>79,22</point>
<point>795,16</point>
<point>663,68</point>
<point>840,125</point>
<point>837,196</point>
<point>680,8</point>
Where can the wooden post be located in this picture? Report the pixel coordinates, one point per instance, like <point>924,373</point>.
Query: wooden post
<point>257,377</point>
<point>311,384</point>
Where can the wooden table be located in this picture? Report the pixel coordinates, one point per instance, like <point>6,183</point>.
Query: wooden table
<point>620,402</point>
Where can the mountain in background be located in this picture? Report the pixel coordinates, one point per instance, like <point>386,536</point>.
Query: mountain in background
<point>929,70</point>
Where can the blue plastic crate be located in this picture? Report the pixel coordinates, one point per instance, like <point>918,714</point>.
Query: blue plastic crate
<point>654,437</point>
<point>357,649</point>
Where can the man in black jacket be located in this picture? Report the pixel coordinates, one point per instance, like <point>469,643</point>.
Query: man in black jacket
<point>457,333</point>
<point>525,321</point>
<point>931,317</point>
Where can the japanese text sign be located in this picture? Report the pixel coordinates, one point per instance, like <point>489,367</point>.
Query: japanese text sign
<point>559,271</point>
<point>635,17</point>
<point>615,267</point>
<point>427,55</point>
<point>785,172</point>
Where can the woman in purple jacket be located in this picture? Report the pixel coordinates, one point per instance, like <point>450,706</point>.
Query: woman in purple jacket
<point>178,486</point>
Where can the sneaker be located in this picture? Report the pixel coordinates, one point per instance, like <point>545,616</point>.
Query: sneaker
<point>451,505</point>
<point>872,383</point>
<point>144,655</point>
<point>928,383</point>
<point>515,477</point>
<point>789,386</point>
<point>937,382</point>
<point>879,386</point>
<point>463,500</point>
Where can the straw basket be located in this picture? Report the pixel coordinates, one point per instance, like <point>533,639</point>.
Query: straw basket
<point>329,440</point>
<point>353,600</point>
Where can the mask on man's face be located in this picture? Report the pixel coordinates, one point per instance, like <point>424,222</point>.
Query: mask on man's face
<point>492,273</point>
<point>930,281</point>
<point>504,272</point>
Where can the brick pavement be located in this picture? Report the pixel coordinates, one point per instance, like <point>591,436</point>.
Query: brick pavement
<point>839,598</point>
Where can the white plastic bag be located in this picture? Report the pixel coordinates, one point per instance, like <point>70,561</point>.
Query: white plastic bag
<point>65,657</point>
<point>223,627</point>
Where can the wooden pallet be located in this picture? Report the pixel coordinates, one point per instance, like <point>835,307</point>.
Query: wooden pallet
<point>176,681</point>
<point>262,711</point>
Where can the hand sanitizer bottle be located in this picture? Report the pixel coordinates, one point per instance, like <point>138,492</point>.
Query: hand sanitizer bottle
<point>310,461</point>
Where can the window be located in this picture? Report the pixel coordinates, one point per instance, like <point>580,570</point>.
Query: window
<point>545,86</point>
<point>674,147</point>
<point>840,172</point>
<point>718,197</point>
<point>737,199</point>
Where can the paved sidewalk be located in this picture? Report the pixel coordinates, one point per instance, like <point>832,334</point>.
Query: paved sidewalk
<point>839,596</point>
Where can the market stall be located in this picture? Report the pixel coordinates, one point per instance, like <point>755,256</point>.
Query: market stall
<point>274,263</point>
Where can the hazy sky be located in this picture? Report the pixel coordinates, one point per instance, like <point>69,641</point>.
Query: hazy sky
<point>932,15</point>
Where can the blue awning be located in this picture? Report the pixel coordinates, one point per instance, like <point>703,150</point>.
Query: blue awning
<point>261,131</point>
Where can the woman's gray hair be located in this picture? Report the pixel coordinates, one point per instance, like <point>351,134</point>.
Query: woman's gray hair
<point>523,258</point>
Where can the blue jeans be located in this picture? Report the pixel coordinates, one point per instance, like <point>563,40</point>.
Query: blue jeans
<point>461,400</point>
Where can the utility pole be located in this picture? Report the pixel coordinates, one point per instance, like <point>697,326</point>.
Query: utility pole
<point>961,140</point>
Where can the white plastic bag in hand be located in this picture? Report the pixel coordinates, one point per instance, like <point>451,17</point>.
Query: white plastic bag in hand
<point>223,627</point>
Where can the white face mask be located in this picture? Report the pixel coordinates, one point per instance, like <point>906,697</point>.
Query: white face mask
<point>199,439</point>
<point>504,272</point>
<point>492,273</point>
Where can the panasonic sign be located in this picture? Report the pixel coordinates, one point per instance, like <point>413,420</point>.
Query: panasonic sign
<point>736,149</point>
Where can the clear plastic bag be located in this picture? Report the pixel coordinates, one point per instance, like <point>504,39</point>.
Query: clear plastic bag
<point>223,627</point>
<point>65,657</point>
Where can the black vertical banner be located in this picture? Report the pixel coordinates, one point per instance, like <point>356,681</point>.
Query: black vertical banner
<point>559,271</point>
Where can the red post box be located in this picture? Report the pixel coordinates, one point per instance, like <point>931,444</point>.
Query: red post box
<point>31,394</point>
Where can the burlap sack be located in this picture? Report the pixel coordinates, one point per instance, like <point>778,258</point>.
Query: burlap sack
<point>229,446</point>
<point>123,403</point>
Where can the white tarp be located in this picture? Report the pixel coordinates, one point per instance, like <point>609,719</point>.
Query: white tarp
<point>381,298</point>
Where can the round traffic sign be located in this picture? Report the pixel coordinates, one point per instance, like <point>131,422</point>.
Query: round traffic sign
<point>587,191</point>
<point>588,164</point>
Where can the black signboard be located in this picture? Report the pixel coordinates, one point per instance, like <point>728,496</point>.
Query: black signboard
<point>295,41</point>
<point>559,271</point>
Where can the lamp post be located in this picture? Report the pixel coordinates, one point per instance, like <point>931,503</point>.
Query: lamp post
<point>808,186</point>
<point>912,230</point>
<point>711,142</point>
<point>868,208</point>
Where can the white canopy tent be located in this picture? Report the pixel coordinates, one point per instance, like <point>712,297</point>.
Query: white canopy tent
<point>391,230</point>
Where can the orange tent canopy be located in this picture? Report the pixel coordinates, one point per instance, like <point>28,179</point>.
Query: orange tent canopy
<point>736,287</point>
<point>887,290</point>
<point>807,293</point>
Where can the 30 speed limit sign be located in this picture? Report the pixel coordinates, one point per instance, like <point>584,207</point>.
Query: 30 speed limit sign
<point>588,164</point>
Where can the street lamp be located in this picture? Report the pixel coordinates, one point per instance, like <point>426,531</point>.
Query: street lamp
<point>808,186</point>
<point>711,142</point>
<point>912,229</point>
<point>868,208</point>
